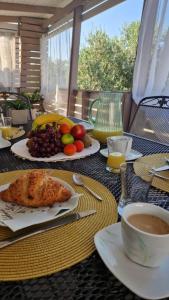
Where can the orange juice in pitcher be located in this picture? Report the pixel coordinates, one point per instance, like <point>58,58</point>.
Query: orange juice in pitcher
<point>105,114</point>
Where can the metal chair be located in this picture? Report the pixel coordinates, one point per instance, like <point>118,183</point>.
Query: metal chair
<point>151,119</point>
<point>6,97</point>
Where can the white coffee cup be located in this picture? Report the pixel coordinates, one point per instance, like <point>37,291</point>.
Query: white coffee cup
<point>120,144</point>
<point>142,247</point>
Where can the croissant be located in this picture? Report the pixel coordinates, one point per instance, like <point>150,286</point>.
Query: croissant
<point>35,189</point>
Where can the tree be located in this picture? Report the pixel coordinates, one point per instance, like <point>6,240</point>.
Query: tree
<point>107,63</point>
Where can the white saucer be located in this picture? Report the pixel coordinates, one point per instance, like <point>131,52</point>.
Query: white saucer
<point>88,126</point>
<point>133,154</point>
<point>148,283</point>
<point>4,143</point>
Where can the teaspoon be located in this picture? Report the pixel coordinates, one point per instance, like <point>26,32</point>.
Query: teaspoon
<point>79,181</point>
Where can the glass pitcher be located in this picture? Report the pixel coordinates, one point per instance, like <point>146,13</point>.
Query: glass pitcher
<point>105,114</point>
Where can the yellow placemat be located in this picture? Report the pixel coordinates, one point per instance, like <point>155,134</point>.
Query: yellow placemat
<point>59,248</point>
<point>154,160</point>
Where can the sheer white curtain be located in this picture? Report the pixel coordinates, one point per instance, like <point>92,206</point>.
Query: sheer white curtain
<point>151,72</point>
<point>7,60</point>
<point>55,64</point>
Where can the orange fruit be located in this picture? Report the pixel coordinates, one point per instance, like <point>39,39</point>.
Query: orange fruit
<point>64,128</point>
<point>69,149</point>
<point>79,145</point>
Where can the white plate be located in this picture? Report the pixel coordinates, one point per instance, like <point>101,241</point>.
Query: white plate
<point>20,149</point>
<point>148,283</point>
<point>133,154</point>
<point>22,216</point>
<point>87,125</point>
<point>17,132</point>
<point>4,143</point>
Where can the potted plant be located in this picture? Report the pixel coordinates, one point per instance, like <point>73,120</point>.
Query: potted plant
<point>36,100</point>
<point>18,110</point>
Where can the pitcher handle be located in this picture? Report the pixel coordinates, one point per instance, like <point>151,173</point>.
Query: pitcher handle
<point>91,118</point>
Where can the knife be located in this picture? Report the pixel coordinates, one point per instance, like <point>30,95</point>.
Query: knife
<point>158,175</point>
<point>22,234</point>
<point>163,168</point>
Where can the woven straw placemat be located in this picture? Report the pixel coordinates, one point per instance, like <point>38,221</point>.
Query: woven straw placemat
<point>154,160</point>
<point>59,248</point>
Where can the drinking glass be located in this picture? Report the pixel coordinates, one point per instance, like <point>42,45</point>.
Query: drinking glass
<point>134,188</point>
<point>121,144</point>
<point>114,160</point>
<point>5,126</point>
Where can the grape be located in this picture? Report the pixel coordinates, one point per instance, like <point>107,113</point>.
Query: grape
<point>48,149</point>
<point>58,143</point>
<point>43,149</point>
<point>50,130</point>
<point>35,146</point>
<point>58,135</point>
<point>45,142</point>
<point>40,141</point>
<point>52,146</point>
<point>47,126</point>
<point>30,134</point>
<point>43,136</point>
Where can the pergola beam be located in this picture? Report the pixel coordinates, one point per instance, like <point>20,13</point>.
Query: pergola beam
<point>29,8</point>
<point>12,19</point>
<point>74,57</point>
<point>87,5</point>
<point>66,10</point>
<point>100,8</point>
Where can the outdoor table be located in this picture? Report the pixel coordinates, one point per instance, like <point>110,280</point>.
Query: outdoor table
<point>89,279</point>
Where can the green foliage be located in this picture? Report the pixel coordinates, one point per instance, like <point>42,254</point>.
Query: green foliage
<point>33,97</point>
<point>107,63</point>
<point>17,104</point>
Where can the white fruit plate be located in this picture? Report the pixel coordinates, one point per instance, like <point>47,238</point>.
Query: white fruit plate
<point>20,149</point>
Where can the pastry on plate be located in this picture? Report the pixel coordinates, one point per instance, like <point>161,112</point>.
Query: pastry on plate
<point>35,189</point>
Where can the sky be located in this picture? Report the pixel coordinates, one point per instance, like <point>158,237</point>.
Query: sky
<point>112,20</point>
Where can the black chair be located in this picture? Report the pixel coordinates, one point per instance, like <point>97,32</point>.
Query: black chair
<point>6,97</point>
<point>151,119</point>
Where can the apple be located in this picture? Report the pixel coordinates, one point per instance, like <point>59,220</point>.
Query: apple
<point>78,131</point>
<point>67,139</point>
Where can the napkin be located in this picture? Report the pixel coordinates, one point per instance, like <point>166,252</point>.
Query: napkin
<point>17,220</point>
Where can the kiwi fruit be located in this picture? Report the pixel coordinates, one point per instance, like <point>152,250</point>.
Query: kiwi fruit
<point>87,141</point>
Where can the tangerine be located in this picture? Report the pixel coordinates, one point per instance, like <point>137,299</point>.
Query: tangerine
<point>79,145</point>
<point>64,128</point>
<point>69,149</point>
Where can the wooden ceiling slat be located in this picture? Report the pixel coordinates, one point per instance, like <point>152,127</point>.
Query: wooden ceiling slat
<point>31,41</point>
<point>30,54</point>
<point>29,60</point>
<point>29,90</point>
<point>28,8</point>
<point>32,34</point>
<point>33,21</point>
<point>67,10</point>
<point>31,85</point>
<point>30,67</point>
<point>31,47</point>
<point>30,78</point>
<point>31,27</point>
<point>8,19</point>
<point>28,72</point>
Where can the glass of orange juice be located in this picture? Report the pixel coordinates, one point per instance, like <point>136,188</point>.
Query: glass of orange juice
<point>5,126</point>
<point>114,160</point>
